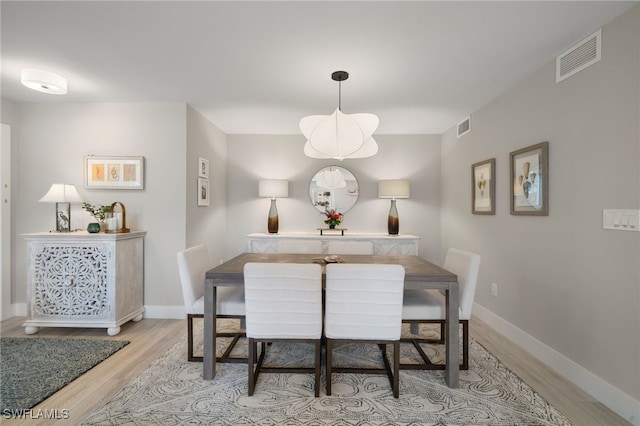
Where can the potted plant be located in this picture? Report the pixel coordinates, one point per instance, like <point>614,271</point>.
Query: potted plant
<point>333,218</point>
<point>99,212</point>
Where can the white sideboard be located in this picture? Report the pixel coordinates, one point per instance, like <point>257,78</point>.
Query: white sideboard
<point>382,243</point>
<point>78,279</point>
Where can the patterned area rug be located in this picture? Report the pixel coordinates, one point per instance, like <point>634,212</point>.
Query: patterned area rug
<point>172,392</point>
<point>32,369</point>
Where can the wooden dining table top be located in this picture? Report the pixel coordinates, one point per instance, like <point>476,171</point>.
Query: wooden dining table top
<point>417,269</point>
<point>419,273</point>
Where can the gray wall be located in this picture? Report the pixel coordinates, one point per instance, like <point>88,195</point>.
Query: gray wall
<point>54,138</point>
<point>562,278</point>
<point>253,157</point>
<point>206,224</point>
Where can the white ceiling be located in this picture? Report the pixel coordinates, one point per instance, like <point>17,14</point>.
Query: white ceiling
<point>258,67</point>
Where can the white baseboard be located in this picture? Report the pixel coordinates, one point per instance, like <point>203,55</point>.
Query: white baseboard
<point>164,312</point>
<point>19,309</point>
<point>615,399</point>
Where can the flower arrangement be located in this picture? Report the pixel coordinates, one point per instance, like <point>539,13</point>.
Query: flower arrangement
<point>333,218</point>
<point>98,212</point>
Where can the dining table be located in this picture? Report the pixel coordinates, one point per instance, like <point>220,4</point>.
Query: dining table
<point>419,274</point>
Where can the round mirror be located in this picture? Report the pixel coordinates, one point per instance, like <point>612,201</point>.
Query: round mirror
<point>333,187</point>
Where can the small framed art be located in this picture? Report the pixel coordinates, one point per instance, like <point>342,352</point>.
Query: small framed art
<point>203,168</point>
<point>203,192</point>
<point>113,172</point>
<point>530,180</point>
<point>483,191</point>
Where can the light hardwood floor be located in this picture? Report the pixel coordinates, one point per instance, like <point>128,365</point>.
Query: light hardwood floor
<point>151,337</point>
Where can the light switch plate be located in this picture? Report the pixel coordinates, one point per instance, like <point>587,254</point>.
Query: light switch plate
<point>621,220</point>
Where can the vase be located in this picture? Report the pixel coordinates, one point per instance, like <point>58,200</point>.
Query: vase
<point>332,226</point>
<point>93,228</point>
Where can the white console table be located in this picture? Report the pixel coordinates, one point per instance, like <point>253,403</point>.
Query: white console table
<point>78,279</point>
<point>382,243</point>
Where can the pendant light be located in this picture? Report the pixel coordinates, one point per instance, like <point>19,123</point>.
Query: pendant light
<point>331,179</point>
<point>340,135</point>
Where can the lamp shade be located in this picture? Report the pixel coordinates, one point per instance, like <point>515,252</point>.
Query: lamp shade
<point>61,193</point>
<point>393,188</point>
<point>273,188</point>
<point>44,81</point>
<point>340,135</point>
<point>331,179</point>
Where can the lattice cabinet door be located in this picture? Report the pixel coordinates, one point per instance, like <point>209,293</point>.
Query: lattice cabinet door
<point>71,280</point>
<point>77,279</point>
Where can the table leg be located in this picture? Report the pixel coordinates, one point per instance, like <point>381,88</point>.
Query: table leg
<point>209,356</point>
<point>452,339</point>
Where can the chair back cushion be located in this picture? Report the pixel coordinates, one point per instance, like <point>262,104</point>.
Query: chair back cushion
<point>300,246</point>
<point>350,247</point>
<point>193,263</point>
<point>466,266</point>
<point>364,301</point>
<point>283,300</point>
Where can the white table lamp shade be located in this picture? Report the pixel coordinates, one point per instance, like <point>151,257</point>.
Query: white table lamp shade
<point>394,188</point>
<point>273,188</point>
<point>61,193</point>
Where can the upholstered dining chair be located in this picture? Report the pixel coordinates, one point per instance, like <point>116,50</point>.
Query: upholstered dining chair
<point>350,247</point>
<point>429,306</point>
<point>300,246</point>
<point>364,305</point>
<point>193,263</point>
<point>283,304</point>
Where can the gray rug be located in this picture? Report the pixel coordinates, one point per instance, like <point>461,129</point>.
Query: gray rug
<point>34,368</point>
<point>172,392</point>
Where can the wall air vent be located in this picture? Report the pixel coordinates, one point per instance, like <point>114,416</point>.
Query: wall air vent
<point>464,126</point>
<point>583,54</point>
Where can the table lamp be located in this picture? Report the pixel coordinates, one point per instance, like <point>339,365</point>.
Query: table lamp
<point>394,188</point>
<point>63,195</point>
<point>273,188</point>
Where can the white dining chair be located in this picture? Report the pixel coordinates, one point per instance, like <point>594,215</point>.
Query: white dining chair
<point>300,246</point>
<point>193,263</point>
<point>364,305</point>
<point>283,304</point>
<point>429,306</point>
<point>350,247</point>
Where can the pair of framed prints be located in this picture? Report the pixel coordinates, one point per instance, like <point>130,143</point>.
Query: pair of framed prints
<point>529,182</point>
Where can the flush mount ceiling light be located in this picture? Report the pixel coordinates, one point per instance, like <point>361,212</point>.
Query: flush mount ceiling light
<point>340,135</point>
<point>44,81</point>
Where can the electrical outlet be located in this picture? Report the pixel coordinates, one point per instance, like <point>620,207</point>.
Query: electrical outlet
<point>494,289</point>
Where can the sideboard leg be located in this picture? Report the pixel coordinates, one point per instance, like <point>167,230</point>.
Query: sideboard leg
<point>31,330</point>
<point>113,331</point>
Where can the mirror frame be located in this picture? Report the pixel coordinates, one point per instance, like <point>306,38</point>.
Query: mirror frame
<point>348,193</point>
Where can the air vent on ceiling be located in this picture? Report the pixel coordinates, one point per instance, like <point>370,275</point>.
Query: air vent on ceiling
<point>585,53</point>
<point>464,126</point>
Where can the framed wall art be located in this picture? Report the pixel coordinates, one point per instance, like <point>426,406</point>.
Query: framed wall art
<point>203,192</point>
<point>483,190</point>
<point>203,168</point>
<point>113,172</point>
<point>530,180</point>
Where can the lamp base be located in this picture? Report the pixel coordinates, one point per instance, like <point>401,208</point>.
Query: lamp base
<point>63,217</point>
<point>272,220</point>
<point>393,222</point>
